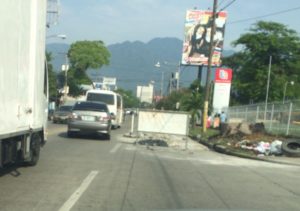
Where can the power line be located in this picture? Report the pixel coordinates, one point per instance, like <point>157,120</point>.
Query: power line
<point>227,5</point>
<point>264,16</point>
<point>221,3</point>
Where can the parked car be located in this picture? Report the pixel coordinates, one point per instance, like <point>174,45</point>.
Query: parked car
<point>62,114</point>
<point>90,117</point>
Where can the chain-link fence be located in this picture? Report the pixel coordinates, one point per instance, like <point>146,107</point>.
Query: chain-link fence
<point>278,118</point>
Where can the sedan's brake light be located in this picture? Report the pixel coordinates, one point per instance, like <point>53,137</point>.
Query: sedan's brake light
<point>103,118</point>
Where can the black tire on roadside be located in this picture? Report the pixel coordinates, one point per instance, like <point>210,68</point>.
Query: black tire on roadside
<point>291,147</point>
<point>35,147</point>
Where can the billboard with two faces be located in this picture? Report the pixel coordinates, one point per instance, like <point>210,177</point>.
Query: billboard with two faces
<point>198,25</point>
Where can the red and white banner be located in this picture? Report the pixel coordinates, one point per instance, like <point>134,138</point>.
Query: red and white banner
<point>222,88</point>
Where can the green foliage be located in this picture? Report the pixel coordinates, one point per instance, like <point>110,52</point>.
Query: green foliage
<point>191,100</point>
<point>169,102</point>
<point>84,55</point>
<point>74,89</point>
<point>51,78</point>
<point>195,131</point>
<point>129,100</point>
<point>250,65</point>
<point>88,54</point>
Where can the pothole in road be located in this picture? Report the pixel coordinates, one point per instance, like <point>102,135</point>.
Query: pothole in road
<point>153,142</point>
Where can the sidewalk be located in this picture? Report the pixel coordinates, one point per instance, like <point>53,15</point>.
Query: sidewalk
<point>284,160</point>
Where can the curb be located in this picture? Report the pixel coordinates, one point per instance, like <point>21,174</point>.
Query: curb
<point>128,135</point>
<point>222,149</point>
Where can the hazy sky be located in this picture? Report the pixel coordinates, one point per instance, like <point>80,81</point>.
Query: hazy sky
<point>115,21</point>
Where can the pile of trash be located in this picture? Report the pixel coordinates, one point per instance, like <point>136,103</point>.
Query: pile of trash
<point>255,139</point>
<point>261,148</point>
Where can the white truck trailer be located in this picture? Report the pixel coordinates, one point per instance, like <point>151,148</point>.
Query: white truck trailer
<point>23,80</point>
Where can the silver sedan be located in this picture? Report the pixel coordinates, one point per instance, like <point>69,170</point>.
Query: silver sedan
<point>90,117</point>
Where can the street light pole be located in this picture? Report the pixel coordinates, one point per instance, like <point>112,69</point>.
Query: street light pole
<point>162,83</point>
<point>177,77</point>
<point>285,87</point>
<point>66,68</point>
<point>268,86</point>
<point>162,79</point>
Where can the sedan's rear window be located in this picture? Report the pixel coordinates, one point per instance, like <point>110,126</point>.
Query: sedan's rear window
<point>87,106</point>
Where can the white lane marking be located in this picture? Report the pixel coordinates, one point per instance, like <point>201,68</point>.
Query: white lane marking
<point>76,195</point>
<point>116,147</point>
<point>130,147</point>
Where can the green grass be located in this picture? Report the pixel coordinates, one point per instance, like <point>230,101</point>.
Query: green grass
<point>194,132</point>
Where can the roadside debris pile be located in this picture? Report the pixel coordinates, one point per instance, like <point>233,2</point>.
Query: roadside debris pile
<point>242,129</point>
<point>253,139</point>
<point>262,147</point>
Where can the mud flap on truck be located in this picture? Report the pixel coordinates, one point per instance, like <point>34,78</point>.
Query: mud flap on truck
<point>8,152</point>
<point>31,148</point>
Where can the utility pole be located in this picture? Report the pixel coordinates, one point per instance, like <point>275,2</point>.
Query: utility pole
<point>211,50</point>
<point>66,68</point>
<point>162,84</point>
<point>268,86</point>
<point>200,69</point>
<point>177,76</point>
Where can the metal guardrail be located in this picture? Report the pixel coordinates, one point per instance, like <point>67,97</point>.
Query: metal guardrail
<point>278,117</point>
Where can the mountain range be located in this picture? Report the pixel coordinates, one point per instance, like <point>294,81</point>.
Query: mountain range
<point>133,63</point>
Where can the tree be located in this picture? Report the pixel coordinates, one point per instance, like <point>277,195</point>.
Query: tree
<point>190,100</point>
<point>51,78</point>
<point>250,65</point>
<point>193,101</point>
<point>169,102</point>
<point>84,55</point>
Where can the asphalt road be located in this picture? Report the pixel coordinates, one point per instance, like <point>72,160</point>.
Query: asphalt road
<point>87,173</point>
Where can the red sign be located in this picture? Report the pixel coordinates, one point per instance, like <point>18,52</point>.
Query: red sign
<point>223,75</point>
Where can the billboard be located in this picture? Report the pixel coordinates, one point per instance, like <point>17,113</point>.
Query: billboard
<point>145,93</point>
<point>109,81</point>
<point>198,25</point>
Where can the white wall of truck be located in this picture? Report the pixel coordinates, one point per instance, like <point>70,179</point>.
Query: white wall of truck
<point>23,79</point>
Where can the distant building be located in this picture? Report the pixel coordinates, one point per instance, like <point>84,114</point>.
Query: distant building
<point>145,93</point>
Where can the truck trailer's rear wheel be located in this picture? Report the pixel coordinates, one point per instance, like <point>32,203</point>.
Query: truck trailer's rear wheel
<point>35,146</point>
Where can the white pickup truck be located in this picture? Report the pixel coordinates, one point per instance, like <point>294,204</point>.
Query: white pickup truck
<point>23,80</point>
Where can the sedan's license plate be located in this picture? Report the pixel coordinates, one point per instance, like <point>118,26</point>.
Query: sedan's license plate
<point>88,118</point>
